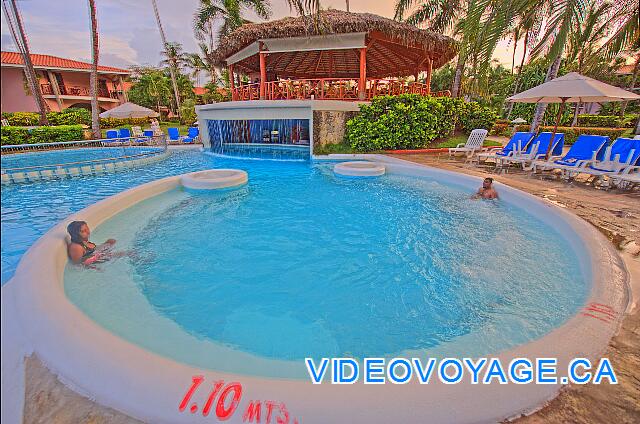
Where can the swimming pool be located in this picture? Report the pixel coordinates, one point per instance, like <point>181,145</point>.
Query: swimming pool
<point>130,342</point>
<point>301,262</point>
<point>56,157</point>
<point>29,210</point>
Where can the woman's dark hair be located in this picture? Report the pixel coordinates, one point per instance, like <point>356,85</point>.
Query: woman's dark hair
<point>489,179</point>
<point>74,231</point>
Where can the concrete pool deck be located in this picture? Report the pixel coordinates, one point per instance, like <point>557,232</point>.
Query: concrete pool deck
<point>33,387</point>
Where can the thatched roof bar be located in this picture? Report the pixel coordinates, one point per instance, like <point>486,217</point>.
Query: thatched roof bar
<point>408,44</point>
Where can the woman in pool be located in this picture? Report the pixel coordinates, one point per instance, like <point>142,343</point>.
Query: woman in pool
<point>81,250</point>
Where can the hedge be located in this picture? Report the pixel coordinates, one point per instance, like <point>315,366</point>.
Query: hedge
<point>413,121</point>
<point>607,121</point>
<point>70,116</point>
<point>21,135</point>
<point>572,133</point>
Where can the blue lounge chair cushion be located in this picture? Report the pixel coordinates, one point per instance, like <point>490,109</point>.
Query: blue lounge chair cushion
<point>174,133</point>
<point>193,132</point>
<point>520,138</point>
<point>584,149</point>
<point>543,140</point>
<point>124,133</point>
<point>112,134</point>
<point>627,150</point>
<point>148,133</point>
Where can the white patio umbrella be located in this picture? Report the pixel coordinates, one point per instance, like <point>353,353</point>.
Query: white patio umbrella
<point>129,110</point>
<point>572,88</point>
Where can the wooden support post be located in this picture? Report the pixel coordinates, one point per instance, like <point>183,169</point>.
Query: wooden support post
<point>263,75</point>
<point>125,96</point>
<point>428,79</point>
<point>232,83</point>
<point>362,85</point>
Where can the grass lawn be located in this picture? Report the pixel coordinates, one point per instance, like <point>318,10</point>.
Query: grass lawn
<point>452,141</point>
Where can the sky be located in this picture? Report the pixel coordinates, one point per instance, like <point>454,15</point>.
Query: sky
<point>128,31</point>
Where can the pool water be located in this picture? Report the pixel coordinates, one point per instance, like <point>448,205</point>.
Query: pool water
<point>55,157</point>
<point>29,210</point>
<point>303,263</point>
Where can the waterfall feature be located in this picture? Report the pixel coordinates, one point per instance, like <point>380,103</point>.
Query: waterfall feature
<point>282,139</point>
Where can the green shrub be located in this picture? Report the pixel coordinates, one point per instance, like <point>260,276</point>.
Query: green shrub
<point>121,122</point>
<point>21,135</point>
<point>501,129</point>
<point>22,119</point>
<point>70,116</point>
<point>607,121</point>
<point>413,121</point>
<point>14,135</point>
<point>474,116</point>
<point>188,112</point>
<point>395,122</point>
<point>571,133</point>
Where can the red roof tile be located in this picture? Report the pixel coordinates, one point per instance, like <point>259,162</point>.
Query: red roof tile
<point>47,61</point>
<point>625,70</point>
<point>200,90</point>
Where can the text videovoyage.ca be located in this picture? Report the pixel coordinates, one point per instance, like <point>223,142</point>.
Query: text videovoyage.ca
<point>459,370</point>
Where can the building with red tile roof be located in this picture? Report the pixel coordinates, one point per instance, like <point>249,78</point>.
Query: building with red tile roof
<point>64,83</point>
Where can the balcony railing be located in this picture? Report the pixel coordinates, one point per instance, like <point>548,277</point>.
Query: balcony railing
<point>331,89</point>
<point>65,90</point>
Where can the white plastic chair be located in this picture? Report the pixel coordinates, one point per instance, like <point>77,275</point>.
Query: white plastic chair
<point>474,144</point>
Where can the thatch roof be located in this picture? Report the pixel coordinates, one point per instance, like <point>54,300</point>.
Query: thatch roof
<point>401,36</point>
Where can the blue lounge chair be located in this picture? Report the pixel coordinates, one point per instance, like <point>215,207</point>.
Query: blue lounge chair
<point>148,133</point>
<point>192,135</point>
<point>174,134</point>
<point>537,150</point>
<point>111,137</point>
<point>518,143</point>
<point>622,153</point>
<point>586,149</point>
<point>124,134</point>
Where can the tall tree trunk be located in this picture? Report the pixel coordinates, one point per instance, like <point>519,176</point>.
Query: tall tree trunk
<point>172,69</point>
<point>14,21</point>
<point>574,121</point>
<point>634,79</point>
<point>457,79</point>
<point>516,85</point>
<point>93,82</point>
<point>552,72</point>
<point>513,55</point>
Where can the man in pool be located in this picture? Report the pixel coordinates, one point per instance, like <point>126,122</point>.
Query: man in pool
<point>81,250</point>
<point>486,191</point>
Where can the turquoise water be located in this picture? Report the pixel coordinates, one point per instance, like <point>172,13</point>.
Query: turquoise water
<point>303,263</point>
<point>29,210</point>
<point>56,157</point>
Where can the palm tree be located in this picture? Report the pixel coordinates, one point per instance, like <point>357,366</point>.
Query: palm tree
<point>93,79</point>
<point>172,69</point>
<point>174,57</point>
<point>565,14</point>
<point>627,33</point>
<point>195,62</point>
<point>14,21</point>
<point>529,22</point>
<point>440,16</point>
<point>229,11</point>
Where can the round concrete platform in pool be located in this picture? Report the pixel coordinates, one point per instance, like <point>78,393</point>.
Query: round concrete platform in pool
<point>214,179</point>
<point>359,169</point>
<point>301,263</point>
